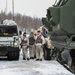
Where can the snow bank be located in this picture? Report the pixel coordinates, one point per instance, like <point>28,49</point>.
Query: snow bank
<point>52,68</point>
<point>9,22</point>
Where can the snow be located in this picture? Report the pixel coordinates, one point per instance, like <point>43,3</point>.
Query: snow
<point>32,67</point>
<point>9,22</point>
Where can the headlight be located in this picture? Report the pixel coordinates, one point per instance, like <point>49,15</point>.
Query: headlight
<point>15,43</point>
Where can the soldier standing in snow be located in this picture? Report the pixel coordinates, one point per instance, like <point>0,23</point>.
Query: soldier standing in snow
<point>39,42</point>
<point>31,45</point>
<point>25,44</point>
<point>35,34</point>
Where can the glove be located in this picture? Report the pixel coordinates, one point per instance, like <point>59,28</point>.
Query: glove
<point>27,47</point>
<point>42,46</point>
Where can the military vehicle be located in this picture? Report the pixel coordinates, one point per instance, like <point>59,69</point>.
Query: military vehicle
<point>60,21</point>
<point>9,42</point>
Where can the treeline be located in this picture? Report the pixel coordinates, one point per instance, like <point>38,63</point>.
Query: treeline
<point>23,21</point>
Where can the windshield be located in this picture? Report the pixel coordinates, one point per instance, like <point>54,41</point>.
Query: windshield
<point>8,30</point>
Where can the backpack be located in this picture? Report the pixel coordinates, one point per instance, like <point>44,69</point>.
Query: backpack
<point>31,40</point>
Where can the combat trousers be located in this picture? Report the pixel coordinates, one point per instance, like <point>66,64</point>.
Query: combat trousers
<point>39,52</point>
<point>25,51</point>
<point>31,49</point>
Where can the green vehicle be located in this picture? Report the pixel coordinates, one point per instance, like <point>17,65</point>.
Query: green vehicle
<point>60,21</point>
<point>9,42</point>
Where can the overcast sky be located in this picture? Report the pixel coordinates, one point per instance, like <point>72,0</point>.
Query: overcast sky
<point>33,8</point>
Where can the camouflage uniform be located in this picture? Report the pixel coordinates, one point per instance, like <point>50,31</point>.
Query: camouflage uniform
<point>39,44</point>
<point>31,45</point>
<point>25,50</point>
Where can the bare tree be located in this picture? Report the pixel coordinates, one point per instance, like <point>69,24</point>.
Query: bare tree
<point>23,21</point>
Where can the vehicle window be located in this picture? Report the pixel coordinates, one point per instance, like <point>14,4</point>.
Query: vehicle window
<point>8,30</point>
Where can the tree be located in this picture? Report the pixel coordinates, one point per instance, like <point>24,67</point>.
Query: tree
<point>23,21</point>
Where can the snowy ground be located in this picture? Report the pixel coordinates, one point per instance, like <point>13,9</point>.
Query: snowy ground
<point>32,67</point>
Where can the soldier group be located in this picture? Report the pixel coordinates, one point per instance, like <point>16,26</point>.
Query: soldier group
<point>32,46</point>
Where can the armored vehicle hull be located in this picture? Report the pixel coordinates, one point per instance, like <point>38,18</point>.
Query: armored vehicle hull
<point>60,21</point>
<point>9,42</point>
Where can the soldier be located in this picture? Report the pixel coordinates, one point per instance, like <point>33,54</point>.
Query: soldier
<point>31,45</point>
<point>25,44</point>
<point>39,42</point>
<point>35,34</point>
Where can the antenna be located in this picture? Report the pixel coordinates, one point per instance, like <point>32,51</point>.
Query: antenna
<point>13,10</point>
<point>6,8</point>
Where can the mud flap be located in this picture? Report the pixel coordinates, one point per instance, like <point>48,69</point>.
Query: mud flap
<point>13,53</point>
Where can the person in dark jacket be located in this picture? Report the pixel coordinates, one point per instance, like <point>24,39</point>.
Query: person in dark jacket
<point>31,45</point>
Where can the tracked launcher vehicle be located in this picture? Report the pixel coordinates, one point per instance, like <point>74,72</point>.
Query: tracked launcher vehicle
<point>60,21</point>
<point>9,42</point>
